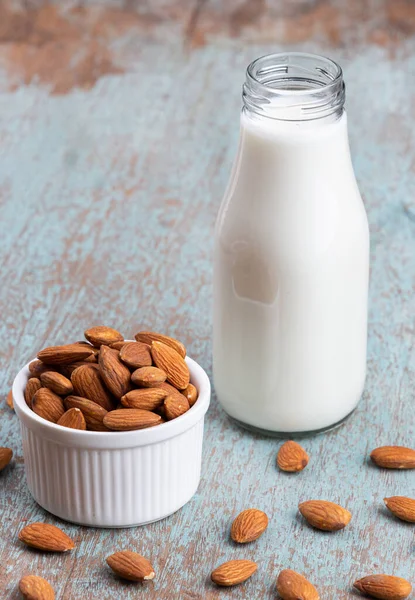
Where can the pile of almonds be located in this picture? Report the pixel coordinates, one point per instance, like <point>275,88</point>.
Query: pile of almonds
<point>109,384</point>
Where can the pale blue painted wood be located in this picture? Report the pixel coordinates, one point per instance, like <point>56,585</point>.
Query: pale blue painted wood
<point>108,198</point>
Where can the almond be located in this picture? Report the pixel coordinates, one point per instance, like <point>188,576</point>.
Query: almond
<point>148,377</point>
<point>249,525</point>
<point>32,386</point>
<point>9,400</point>
<point>167,388</point>
<point>67,370</point>
<point>101,335</point>
<point>56,382</point>
<point>48,405</point>
<point>115,374</point>
<point>146,398</point>
<point>402,507</point>
<point>384,587</point>
<point>293,586</point>
<point>325,515</point>
<point>172,364</point>
<point>292,457</point>
<point>191,394</point>
<point>233,572</point>
<point>46,537</point>
<point>88,345</point>
<point>37,367</point>
<point>88,383</point>
<point>128,419</point>
<point>175,406</point>
<point>394,457</point>
<point>34,587</point>
<point>131,566</point>
<point>64,355</point>
<point>73,418</point>
<point>136,355</point>
<point>6,454</point>
<point>148,337</point>
<point>118,345</point>
<point>93,413</point>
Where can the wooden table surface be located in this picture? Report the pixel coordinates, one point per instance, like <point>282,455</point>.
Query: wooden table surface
<point>118,126</point>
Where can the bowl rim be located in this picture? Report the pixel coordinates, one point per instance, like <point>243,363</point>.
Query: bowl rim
<point>113,439</point>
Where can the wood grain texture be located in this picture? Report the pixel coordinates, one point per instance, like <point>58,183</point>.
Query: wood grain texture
<point>118,125</point>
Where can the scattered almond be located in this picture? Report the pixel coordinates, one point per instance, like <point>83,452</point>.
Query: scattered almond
<point>249,525</point>
<point>394,457</point>
<point>73,418</point>
<point>149,377</point>
<point>384,587</point>
<point>233,572</point>
<point>136,355</point>
<point>93,413</point>
<point>56,382</point>
<point>146,398</point>
<point>131,566</point>
<point>44,536</point>
<point>293,586</point>
<point>6,454</point>
<point>175,406</point>
<point>32,386</point>
<point>101,335</point>
<point>191,394</point>
<point>148,337</point>
<point>172,364</point>
<point>292,457</point>
<point>88,383</point>
<point>48,405</point>
<point>402,507</point>
<point>64,355</point>
<point>128,419</point>
<point>115,374</point>
<point>325,515</point>
<point>34,587</point>
<point>9,400</point>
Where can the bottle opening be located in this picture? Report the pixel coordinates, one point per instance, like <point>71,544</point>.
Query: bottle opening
<point>294,86</point>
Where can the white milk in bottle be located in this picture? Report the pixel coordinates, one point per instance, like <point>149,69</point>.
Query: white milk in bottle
<point>291,255</point>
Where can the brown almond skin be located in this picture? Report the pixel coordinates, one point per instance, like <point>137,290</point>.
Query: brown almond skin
<point>118,345</point>
<point>175,406</point>
<point>131,566</point>
<point>44,536</point>
<point>146,398</point>
<point>402,507</point>
<point>167,388</point>
<point>325,515</point>
<point>6,454</point>
<point>9,400</point>
<point>148,377</point>
<point>93,413</point>
<point>67,370</point>
<point>249,525</point>
<point>293,586</point>
<point>191,394</point>
<point>136,355</point>
<point>148,337</point>
<point>88,383</point>
<point>233,572</point>
<point>384,587</point>
<point>170,361</point>
<point>37,367</point>
<point>32,386</point>
<point>48,405</point>
<point>114,373</point>
<point>102,335</point>
<point>64,355</point>
<point>33,587</point>
<point>129,419</point>
<point>58,383</point>
<point>394,457</point>
<point>292,457</point>
<point>74,419</point>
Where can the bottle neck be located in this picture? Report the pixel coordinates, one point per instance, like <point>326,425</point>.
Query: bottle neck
<point>294,87</point>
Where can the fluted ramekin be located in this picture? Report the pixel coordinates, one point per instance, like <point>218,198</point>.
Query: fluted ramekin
<point>114,479</point>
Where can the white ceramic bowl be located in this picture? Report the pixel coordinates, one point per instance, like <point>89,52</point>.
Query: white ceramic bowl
<point>114,479</point>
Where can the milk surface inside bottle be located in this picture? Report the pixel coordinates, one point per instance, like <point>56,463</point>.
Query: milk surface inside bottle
<point>291,255</point>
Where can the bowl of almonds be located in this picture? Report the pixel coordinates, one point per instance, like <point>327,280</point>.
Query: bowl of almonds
<point>112,429</point>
